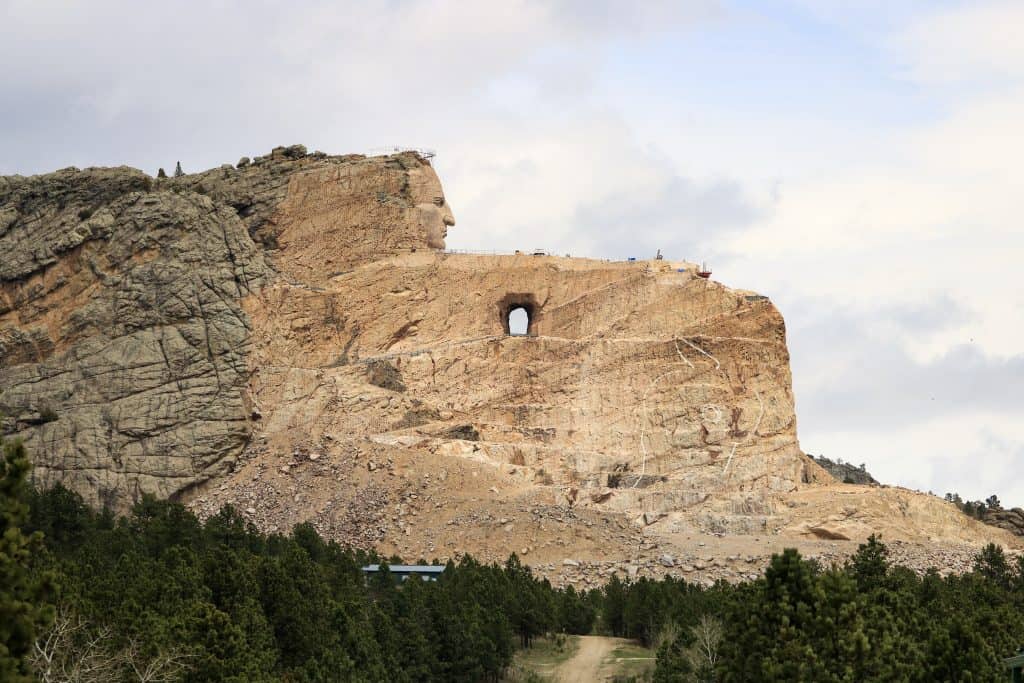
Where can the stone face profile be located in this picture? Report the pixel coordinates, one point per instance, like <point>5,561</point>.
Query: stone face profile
<point>289,336</point>
<point>433,215</point>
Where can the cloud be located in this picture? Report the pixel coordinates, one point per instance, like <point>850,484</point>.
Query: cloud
<point>949,423</point>
<point>872,384</point>
<point>674,211</point>
<point>856,162</point>
<point>118,84</point>
<point>970,455</point>
<point>969,42</point>
<point>586,188</point>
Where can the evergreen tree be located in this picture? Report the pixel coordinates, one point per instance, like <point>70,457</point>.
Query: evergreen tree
<point>221,601</point>
<point>673,662</point>
<point>772,643</point>
<point>177,170</point>
<point>24,608</point>
<point>870,565</point>
<point>992,564</point>
<point>614,606</point>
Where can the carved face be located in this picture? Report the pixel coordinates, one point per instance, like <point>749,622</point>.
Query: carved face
<point>433,215</point>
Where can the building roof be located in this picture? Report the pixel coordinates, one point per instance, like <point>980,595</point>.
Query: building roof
<point>407,568</point>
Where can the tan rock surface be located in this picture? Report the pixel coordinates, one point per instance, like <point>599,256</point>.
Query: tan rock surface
<point>366,381</point>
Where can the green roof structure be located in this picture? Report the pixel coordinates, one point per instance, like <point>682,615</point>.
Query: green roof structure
<point>1016,666</point>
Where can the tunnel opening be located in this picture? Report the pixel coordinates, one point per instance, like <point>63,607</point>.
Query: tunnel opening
<point>518,322</point>
<point>519,313</point>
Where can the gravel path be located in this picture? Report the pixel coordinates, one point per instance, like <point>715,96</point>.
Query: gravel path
<point>585,664</point>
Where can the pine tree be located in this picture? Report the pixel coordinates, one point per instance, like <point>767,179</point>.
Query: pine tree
<point>614,606</point>
<point>177,170</point>
<point>24,608</point>
<point>992,564</point>
<point>870,564</point>
<point>770,640</point>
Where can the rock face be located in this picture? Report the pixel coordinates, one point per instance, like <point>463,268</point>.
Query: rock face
<point>289,336</point>
<point>844,472</point>
<point>640,387</point>
<point>1012,520</point>
<point>122,338</point>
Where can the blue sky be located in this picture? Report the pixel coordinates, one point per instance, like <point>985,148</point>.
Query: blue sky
<point>858,162</point>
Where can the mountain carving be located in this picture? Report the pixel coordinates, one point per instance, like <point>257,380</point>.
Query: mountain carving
<point>288,335</point>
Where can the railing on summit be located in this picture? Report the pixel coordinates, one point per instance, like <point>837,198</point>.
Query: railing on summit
<point>398,149</point>
<point>479,252</point>
<point>539,252</point>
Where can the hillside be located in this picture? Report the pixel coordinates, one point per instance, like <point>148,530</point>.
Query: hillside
<point>289,335</point>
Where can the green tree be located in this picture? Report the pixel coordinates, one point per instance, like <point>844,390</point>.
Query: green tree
<point>870,565</point>
<point>24,598</point>
<point>992,564</point>
<point>614,606</point>
<point>770,640</point>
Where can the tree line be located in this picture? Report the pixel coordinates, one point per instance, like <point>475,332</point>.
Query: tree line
<point>975,508</point>
<point>865,620</point>
<point>159,595</point>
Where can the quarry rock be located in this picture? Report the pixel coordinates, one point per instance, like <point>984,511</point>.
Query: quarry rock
<point>290,335</point>
<point>121,325</point>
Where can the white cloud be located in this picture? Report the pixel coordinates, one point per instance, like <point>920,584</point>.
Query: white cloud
<point>966,42</point>
<point>900,276</point>
<point>889,238</point>
<point>970,455</point>
<point>933,214</point>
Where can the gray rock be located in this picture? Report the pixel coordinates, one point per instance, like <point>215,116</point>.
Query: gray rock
<point>845,472</point>
<point>126,364</point>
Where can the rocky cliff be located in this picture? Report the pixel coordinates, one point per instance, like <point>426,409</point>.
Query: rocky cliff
<point>845,472</point>
<point>123,342</point>
<point>1012,520</point>
<point>289,336</point>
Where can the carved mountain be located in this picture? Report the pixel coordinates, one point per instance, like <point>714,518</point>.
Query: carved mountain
<point>289,336</point>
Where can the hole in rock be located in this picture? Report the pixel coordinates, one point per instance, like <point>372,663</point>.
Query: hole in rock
<point>519,313</point>
<point>518,321</point>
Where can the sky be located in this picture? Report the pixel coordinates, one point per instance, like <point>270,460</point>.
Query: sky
<point>859,163</point>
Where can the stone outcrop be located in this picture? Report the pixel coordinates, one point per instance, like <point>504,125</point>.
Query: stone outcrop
<point>122,338</point>
<point>289,336</point>
<point>1012,520</point>
<point>845,472</point>
<point>123,342</point>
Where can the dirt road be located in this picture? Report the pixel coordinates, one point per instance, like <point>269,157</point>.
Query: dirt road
<point>585,664</point>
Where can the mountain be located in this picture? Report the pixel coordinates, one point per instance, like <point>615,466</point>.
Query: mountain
<point>288,335</point>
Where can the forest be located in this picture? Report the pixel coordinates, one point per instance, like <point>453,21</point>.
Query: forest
<point>160,595</point>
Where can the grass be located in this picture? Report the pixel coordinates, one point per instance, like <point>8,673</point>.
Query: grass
<point>629,661</point>
<point>540,661</point>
